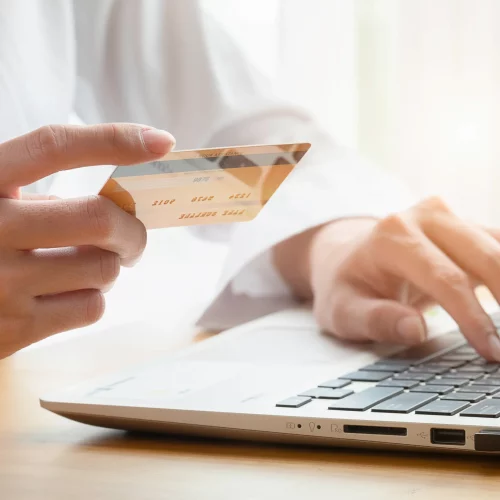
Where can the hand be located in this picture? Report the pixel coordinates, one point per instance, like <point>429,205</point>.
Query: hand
<point>371,279</point>
<point>58,256</point>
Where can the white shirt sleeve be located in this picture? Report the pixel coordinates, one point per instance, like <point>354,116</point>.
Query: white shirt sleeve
<point>167,63</point>
<point>329,184</point>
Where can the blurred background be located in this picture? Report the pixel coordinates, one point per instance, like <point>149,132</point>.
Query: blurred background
<point>414,85</point>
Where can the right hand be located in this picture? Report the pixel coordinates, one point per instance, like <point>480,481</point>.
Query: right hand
<point>58,256</point>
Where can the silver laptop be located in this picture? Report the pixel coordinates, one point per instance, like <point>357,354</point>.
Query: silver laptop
<point>280,379</point>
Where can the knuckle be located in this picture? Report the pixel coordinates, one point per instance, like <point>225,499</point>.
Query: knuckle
<point>375,321</point>
<point>435,203</point>
<point>451,277</point>
<point>393,224</point>
<point>118,139</point>
<point>491,260</point>
<point>98,213</point>
<point>322,320</point>
<point>142,240</point>
<point>109,265</point>
<point>338,324</point>
<point>47,141</point>
<point>95,307</point>
<point>111,133</point>
<point>394,231</point>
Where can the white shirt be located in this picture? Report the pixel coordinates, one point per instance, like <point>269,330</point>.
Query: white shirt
<point>168,64</point>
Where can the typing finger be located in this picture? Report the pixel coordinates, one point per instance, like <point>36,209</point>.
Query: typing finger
<point>473,249</point>
<point>358,316</point>
<point>412,256</point>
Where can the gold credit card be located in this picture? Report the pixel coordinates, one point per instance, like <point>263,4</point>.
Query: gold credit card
<point>206,186</point>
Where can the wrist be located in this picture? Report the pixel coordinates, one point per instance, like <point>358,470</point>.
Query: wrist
<point>296,257</point>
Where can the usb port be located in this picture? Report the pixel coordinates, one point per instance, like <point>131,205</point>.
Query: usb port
<point>448,436</point>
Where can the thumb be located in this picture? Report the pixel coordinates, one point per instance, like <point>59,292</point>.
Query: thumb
<point>38,197</point>
<point>361,318</point>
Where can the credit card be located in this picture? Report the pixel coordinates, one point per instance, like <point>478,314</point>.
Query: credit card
<point>207,186</point>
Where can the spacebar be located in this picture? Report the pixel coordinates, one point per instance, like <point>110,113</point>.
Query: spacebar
<point>363,400</point>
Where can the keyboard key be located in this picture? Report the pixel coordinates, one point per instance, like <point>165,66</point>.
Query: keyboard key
<point>483,361</point>
<point>295,402</point>
<point>477,369</point>
<point>364,400</point>
<point>469,390</point>
<point>435,389</point>
<point>394,362</point>
<point>446,364</point>
<point>335,384</point>
<point>490,368</point>
<point>470,376</point>
<point>485,381</point>
<point>490,380</point>
<point>405,384</point>
<point>472,369</point>
<point>456,382</point>
<point>436,370</point>
<point>465,349</point>
<point>362,376</point>
<point>393,368</point>
<point>487,409</point>
<point>442,408</point>
<point>326,393</point>
<point>472,397</point>
<point>420,377</point>
<point>436,347</point>
<point>459,357</point>
<point>485,389</point>
<point>404,403</point>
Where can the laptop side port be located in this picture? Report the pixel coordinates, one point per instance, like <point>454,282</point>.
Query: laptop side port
<point>375,429</point>
<point>487,440</point>
<point>448,436</point>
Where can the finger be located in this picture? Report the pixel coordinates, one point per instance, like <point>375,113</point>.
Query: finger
<point>359,317</point>
<point>494,231</point>
<point>416,259</point>
<point>473,249</point>
<point>48,272</point>
<point>58,313</point>
<point>94,221</point>
<point>53,148</point>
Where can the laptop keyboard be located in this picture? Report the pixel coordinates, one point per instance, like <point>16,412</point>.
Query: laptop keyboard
<point>454,382</point>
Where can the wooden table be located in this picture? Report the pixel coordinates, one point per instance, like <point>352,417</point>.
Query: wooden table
<point>43,456</point>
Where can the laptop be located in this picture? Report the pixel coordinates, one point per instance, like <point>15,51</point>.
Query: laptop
<point>280,379</point>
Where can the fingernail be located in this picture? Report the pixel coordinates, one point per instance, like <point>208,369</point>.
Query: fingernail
<point>412,330</point>
<point>494,342</point>
<point>158,141</point>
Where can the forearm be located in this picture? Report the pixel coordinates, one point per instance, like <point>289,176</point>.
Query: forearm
<point>293,257</point>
